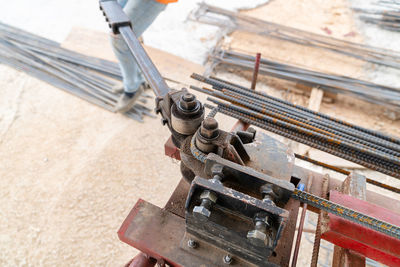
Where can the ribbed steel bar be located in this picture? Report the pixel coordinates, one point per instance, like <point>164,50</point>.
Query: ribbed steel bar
<point>109,67</point>
<point>217,83</point>
<point>374,94</point>
<point>230,20</point>
<point>87,77</point>
<point>330,132</point>
<point>375,143</point>
<point>242,102</point>
<point>352,148</point>
<point>230,54</point>
<point>346,213</point>
<point>358,158</point>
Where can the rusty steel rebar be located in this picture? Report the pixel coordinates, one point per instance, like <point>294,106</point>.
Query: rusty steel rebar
<point>219,84</point>
<point>317,237</point>
<point>355,156</point>
<point>89,78</point>
<point>368,148</point>
<point>230,20</point>
<point>255,71</point>
<point>301,226</point>
<point>301,127</point>
<point>374,93</point>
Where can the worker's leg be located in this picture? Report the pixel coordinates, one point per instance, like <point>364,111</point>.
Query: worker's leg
<point>142,13</point>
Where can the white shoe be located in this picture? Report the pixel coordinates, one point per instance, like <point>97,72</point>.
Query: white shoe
<point>125,102</point>
<point>118,88</point>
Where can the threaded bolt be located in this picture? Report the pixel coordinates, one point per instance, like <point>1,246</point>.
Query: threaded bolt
<point>188,101</point>
<point>209,128</point>
<point>227,259</point>
<point>191,243</point>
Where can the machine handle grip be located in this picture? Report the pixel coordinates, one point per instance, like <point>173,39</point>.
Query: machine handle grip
<point>114,15</point>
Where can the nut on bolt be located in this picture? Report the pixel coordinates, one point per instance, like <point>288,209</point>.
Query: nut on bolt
<point>188,102</point>
<point>227,259</point>
<point>268,193</point>
<point>209,195</point>
<point>191,243</point>
<point>203,211</point>
<point>209,128</point>
<point>257,238</point>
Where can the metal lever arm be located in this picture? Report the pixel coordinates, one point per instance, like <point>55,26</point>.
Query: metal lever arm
<point>120,23</point>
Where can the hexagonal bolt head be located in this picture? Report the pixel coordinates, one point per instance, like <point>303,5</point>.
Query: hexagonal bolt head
<point>209,195</point>
<point>188,101</point>
<point>258,238</point>
<point>209,128</point>
<point>191,243</point>
<point>201,212</point>
<point>268,194</point>
<point>227,259</point>
<point>267,189</point>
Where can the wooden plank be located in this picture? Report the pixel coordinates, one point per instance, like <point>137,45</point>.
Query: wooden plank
<point>315,99</point>
<point>333,160</point>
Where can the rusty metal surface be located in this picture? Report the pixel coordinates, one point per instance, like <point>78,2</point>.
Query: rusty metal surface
<point>158,233</point>
<point>208,251</point>
<point>346,258</point>
<point>176,203</point>
<point>255,72</point>
<point>284,248</point>
<point>231,218</point>
<point>362,146</point>
<point>250,179</point>
<point>269,156</point>
<point>161,235</point>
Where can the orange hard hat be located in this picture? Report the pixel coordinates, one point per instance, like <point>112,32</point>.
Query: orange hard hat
<point>165,2</point>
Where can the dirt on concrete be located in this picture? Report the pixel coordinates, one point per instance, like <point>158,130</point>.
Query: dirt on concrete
<point>70,173</point>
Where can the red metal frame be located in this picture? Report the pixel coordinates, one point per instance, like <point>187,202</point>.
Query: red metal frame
<point>171,150</point>
<point>368,242</point>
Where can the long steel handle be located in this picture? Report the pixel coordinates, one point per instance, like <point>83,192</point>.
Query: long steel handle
<point>150,72</point>
<point>120,23</point>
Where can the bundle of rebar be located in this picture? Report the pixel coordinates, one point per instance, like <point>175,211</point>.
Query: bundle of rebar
<point>385,19</point>
<point>368,148</point>
<point>89,78</point>
<point>234,21</point>
<point>374,93</point>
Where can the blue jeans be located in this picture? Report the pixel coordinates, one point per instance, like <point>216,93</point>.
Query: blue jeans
<point>141,13</point>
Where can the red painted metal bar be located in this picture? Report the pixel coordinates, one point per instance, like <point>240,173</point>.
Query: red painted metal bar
<point>368,242</point>
<point>171,150</point>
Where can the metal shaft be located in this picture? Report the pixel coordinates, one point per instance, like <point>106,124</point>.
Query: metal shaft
<point>150,72</point>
